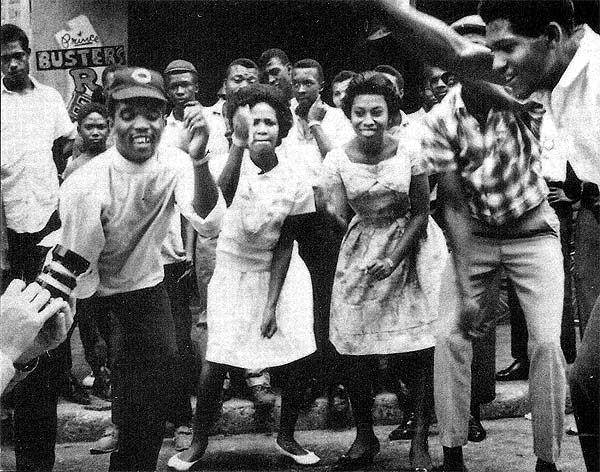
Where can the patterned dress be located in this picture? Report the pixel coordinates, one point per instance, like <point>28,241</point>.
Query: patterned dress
<point>396,314</point>
<point>238,290</point>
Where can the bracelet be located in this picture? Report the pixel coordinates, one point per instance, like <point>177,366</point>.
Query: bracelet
<point>27,367</point>
<point>312,123</point>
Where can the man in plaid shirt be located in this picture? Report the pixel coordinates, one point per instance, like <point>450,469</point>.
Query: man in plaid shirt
<point>493,198</point>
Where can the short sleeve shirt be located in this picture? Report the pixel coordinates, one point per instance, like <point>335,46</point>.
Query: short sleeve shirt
<point>500,163</point>
<point>30,124</point>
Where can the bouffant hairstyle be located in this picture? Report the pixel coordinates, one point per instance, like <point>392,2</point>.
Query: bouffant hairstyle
<point>372,83</point>
<point>263,93</point>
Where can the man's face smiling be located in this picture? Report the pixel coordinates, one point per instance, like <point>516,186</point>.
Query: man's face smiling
<point>138,125</point>
<point>522,62</point>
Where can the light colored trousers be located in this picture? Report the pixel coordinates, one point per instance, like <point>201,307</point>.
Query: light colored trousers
<point>534,266</point>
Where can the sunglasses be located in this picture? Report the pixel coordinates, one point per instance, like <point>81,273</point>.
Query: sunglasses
<point>447,77</point>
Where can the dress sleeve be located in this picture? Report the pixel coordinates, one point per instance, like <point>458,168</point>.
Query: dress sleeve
<point>418,164</point>
<point>436,149</point>
<point>81,231</point>
<point>184,198</point>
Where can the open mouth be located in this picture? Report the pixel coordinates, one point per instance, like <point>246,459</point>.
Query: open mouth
<point>141,140</point>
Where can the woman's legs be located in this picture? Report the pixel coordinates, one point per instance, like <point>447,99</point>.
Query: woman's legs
<point>293,378</point>
<point>419,380</point>
<point>208,407</point>
<point>360,371</point>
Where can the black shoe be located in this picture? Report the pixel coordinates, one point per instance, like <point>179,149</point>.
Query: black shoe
<point>476,431</point>
<point>405,430</point>
<point>518,370</point>
<point>74,392</point>
<point>101,387</point>
<point>345,462</point>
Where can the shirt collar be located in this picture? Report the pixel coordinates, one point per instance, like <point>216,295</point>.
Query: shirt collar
<point>589,45</point>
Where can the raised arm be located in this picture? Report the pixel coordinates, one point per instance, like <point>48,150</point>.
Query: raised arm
<point>230,176</point>
<point>437,43</point>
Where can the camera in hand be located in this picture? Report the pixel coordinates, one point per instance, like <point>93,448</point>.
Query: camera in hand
<point>59,277</point>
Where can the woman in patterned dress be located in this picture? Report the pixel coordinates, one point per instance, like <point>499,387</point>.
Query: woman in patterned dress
<point>259,311</point>
<point>386,288</point>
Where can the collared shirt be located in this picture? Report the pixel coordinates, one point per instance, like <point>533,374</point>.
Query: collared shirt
<point>574,107</point>
<point>301,146</point>
<point>30,124</point>
<point>499,164</point>
<point>218,144</point>
<point>116,214</point>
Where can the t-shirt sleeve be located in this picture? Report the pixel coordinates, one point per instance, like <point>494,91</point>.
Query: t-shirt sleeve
<point>184,198</point>
<point>81,231</point>
<point>63,126</point>
<point>436,148</point>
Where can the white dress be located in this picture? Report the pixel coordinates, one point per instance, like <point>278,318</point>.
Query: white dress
<point>238,290</point>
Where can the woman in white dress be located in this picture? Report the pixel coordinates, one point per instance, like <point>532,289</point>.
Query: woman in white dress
<point>259,311</point>
<point>386,286</point>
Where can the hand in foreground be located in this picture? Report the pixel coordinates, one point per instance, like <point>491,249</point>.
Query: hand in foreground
<point>316,111</point>
<point>380,269</point>
<point>242,125</point>
<point>197,131</point>
<point>470,321</point>
<point>269,324</point>
<point>23,335</point>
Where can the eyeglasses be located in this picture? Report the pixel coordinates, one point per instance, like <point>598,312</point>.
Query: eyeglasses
<point>17,56</point>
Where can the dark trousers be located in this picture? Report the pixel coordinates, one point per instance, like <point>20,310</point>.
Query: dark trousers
<point>185,376</point>
<point>585,391</point>
<point>35,398</point>
<point>518,328</point>
<point>142,377</point>
<point>97,332</point>
<point>319,247</point>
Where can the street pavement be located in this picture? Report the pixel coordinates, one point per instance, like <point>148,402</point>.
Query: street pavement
<point>508,448</point>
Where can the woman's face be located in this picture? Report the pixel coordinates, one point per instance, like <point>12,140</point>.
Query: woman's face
<point>369,116</point>
<point>265,130</point>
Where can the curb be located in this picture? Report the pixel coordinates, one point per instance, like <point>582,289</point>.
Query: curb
<point>239,417</point>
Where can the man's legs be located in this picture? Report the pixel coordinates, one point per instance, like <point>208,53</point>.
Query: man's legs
<point>146,356</point>
<point>453,353</point>
<point>181,409</point>
<point>585,390</point>
<point>535,267</point>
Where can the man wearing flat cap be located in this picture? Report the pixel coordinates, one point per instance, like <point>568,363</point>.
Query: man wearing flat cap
<point>116,214</point>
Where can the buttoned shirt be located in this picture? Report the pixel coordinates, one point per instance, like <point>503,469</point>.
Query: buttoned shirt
<point>31,121</point>
<point>500,163</point>
<point>574,108</point>
<point>301,146</point>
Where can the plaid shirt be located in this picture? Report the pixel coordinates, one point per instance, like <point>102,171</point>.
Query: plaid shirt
<point>500,164</point>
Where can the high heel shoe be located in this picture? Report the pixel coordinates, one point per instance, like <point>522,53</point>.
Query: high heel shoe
<point>346,462</point>
<point>310,458</point>
<point>180,465</point>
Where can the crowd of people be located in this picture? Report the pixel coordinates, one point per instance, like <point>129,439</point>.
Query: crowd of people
<point>322,244</point>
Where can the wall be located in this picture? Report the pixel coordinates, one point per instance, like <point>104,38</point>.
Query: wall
<point>48,17</point>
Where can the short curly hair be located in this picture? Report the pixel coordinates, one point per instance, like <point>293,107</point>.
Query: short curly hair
<point>90,108</point>
<point>372,83</point>
<point>263,93</point>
